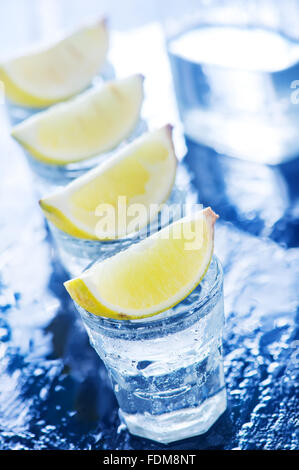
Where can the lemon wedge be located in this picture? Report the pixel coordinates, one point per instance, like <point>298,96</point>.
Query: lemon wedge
<point>53,74</point>
<point>102,203</point>
<point>92,123</point>
<point>151,276</point>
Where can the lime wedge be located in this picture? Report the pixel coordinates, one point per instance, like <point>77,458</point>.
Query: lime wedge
<point>139,176</point>
<point>92,123</point>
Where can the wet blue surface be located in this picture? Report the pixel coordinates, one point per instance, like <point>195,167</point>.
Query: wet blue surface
<point>54,391</point>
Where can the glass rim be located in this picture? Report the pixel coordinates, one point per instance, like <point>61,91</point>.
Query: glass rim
<point>144,324</point>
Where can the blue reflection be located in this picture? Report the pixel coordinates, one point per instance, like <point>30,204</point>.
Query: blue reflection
<point>259,198</point>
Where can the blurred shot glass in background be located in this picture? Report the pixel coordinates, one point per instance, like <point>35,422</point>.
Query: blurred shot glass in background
<point>235,66</point>
<point>167,370</point>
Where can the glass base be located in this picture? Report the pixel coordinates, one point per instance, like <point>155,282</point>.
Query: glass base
<point>181,424</point>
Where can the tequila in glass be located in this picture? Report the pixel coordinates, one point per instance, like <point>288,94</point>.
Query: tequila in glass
<point>167,371</point>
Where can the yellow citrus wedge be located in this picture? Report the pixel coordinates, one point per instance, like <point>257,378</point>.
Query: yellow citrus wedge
<point>102,204</point>
<point>151,276</point>
<point>53,74</point>
<point>92,123</point>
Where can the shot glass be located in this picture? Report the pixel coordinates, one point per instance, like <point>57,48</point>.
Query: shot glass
<point>76,253</point>
<point>235,94</point>
<point>167,370</point>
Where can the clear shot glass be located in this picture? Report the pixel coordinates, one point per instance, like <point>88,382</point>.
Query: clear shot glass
<point>167,370</point>
<point>76,253</point>
<point>235,67</point>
